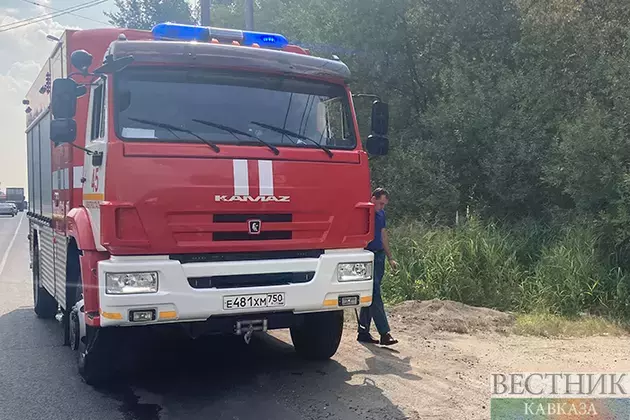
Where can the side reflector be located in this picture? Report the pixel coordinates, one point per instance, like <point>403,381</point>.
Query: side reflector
<point>93,197</point>
<point>111,315</point>
<point>168,315</point>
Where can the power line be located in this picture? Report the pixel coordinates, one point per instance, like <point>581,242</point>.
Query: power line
<point>70,13</point>
<point>45,15</point>
<point>40,18</point>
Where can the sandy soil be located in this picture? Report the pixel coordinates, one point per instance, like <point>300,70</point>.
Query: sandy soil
<point>437,373</point>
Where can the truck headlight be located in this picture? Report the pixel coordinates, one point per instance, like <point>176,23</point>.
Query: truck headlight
<point>354,271</point>
<point>127,283</point>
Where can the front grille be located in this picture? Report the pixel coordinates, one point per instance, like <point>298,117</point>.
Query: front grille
<point>250,280</point>
<point>246,256</point>
<point>236,218</point>
<point>245,236</point>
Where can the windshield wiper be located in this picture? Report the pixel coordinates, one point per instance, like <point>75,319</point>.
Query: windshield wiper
<point>293,134</point>
<point>234,132</point>
<point>172,128</point>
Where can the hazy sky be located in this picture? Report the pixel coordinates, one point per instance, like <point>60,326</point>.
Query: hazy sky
<point>23,51</point>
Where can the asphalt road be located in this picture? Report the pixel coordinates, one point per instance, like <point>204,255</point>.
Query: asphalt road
<point>215,378</point>
<point>428,375</point>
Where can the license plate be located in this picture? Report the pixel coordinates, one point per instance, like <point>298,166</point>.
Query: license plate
<point>266,300</point>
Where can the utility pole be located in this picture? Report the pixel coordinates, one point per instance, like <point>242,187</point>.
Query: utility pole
<point>249,15</point>
<point>205,12</point>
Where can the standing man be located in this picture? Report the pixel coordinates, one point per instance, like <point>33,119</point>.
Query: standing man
<point>380,247</point>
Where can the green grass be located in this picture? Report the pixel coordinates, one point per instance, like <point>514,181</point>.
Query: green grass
<point>556,326</point>
<point>524,268</point>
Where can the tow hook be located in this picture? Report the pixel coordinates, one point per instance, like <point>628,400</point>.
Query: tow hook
<point>247,328</point>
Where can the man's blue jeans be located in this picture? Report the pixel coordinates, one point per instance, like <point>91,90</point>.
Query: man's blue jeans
<point>375,311</point>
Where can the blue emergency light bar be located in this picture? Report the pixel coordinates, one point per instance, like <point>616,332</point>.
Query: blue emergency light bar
<point>179,32</point>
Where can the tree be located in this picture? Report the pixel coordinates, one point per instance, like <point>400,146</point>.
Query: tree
<point>145,14</point>
<point>513,108</point>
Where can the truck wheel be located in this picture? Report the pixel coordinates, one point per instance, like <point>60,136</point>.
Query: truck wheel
<point>44,304</point>
<point>97,352</point>
<point>74,291</point>
<point>318,337</point>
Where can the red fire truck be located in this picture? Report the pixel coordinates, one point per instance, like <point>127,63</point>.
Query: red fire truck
<point>197,178</point>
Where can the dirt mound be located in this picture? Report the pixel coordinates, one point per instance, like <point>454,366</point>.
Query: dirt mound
<point>445,315</point>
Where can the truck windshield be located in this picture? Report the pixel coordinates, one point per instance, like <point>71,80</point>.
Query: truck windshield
<point>205,102</point>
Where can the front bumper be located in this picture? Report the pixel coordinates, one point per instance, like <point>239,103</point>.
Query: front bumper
<point>177,301</point>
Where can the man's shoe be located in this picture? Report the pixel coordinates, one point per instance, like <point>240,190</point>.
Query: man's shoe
<point>366,338</point>
<point>387,340</point>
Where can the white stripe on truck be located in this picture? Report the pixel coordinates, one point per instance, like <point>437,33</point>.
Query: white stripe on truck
<point>77,174</point>
<point>241,177</point>
<point>265,177</point>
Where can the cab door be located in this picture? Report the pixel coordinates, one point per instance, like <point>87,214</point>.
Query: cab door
<point>95,159</point>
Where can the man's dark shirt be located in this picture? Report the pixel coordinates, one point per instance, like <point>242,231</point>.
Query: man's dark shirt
<point>379,225</point>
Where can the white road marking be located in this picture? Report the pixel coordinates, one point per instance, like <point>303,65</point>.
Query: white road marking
<point>5,257</point>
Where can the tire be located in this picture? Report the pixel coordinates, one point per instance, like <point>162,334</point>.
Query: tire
<point>44,304</point>
<point>98,352</point>
<point>96,355</point>
<point>74,290</point>
<point>318,337</point>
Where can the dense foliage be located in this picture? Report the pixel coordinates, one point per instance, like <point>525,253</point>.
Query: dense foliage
<point>511,110</point>
<point>144,14</point>
<point>526,267</point>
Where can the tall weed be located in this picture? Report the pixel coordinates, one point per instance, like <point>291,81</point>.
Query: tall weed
<point>527,267</point>
<point>473,263</point>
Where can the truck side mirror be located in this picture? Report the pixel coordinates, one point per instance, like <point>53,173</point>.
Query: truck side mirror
<point>63,101</point>
<point>380,118</point>
<point>63,130</point>
<point>377,143</point>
